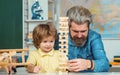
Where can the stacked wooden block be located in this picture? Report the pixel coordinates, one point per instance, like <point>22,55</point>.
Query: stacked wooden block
<point>63,44</point>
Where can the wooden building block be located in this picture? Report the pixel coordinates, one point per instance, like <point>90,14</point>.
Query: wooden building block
<point>63,44</point>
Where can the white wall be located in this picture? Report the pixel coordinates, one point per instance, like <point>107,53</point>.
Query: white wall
<point>112,47</point>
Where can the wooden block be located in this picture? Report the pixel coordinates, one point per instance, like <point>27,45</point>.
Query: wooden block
<point>63,43</point>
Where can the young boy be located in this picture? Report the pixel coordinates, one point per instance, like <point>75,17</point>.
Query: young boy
<point>45,58</point>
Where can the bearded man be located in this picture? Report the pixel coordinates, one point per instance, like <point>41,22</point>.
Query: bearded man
<point>85,47</point>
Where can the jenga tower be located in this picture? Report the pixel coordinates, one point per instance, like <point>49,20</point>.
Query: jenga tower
<point>63,44</point>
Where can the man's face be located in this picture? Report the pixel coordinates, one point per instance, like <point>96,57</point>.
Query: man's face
<point>79,33</point>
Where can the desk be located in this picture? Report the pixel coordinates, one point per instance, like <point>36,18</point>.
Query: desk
<point>100,73</point>
<point>22,71</point>
<point>105,73</point>
<point>115,69</point>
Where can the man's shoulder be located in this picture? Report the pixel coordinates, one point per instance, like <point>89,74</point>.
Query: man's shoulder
<point>94,34</point>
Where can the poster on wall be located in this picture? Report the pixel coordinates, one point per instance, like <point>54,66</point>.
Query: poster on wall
<point>38,10</point>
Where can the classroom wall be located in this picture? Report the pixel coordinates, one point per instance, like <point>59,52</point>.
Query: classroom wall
<point>112,47</point>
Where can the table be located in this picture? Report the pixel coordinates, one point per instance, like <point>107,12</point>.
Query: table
<point>22,71</point>
<point>99,73</point>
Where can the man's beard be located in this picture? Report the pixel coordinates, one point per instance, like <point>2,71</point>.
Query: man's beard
<point>79,41</point>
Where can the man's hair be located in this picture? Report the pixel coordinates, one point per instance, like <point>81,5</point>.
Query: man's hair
<point>42,31</point>
<point>79,15</point>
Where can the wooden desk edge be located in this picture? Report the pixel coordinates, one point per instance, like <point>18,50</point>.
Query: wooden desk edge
<point>17,50</point>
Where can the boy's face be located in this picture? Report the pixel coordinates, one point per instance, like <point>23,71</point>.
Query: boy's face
<point>47,44</point>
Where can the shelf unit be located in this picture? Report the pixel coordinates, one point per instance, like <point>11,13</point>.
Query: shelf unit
<point>29,24</point>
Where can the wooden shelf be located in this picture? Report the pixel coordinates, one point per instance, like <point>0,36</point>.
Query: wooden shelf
<point>38,21</point>
<point>30,43</point>
<point>50,1</point>
<point>30,23</point>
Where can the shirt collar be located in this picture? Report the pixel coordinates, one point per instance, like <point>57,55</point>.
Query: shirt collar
<point>46,54</point>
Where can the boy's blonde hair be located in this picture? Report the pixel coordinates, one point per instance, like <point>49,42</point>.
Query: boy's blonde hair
<point>42,31</point>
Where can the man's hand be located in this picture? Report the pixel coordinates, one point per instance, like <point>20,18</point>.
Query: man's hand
<point>76,65</point>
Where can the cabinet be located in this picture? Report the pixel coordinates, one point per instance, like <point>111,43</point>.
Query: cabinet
<point>29,23</point>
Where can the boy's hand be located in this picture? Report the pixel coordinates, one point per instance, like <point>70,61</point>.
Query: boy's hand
<point>36,69</point>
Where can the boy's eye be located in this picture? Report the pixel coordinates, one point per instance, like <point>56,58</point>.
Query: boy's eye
<point>44,41</point>
<point>51,41</point>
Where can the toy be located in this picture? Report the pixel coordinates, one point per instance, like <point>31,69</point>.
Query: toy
<point>3,56</point>
<point>63,44</point>
<point>36,11</point>
<point>6,60</point>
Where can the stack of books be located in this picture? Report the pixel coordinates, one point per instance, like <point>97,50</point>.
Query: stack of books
<point>116,59</point>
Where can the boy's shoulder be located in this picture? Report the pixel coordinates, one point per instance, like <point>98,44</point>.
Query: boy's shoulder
<point>56,51</point>
<point>34,52</point>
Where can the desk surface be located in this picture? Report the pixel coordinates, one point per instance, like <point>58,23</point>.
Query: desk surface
<point>105,73</point>
<point>22,71</point>
<point>100,73</point>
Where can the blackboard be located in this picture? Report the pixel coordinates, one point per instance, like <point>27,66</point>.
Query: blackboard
<point>11,28</point>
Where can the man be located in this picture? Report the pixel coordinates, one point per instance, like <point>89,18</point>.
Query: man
<point>86,51</point>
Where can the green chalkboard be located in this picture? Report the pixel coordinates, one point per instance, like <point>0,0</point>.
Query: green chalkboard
<point>11,33</point>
